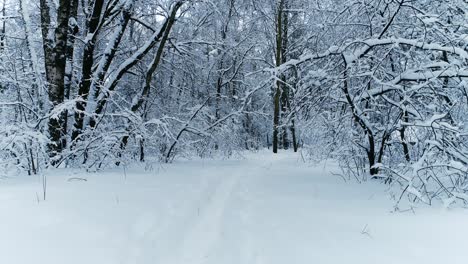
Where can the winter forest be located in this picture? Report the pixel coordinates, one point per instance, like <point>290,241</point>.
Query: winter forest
<point>368,98</point>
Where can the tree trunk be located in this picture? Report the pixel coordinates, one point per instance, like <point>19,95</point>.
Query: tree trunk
<point>404,142</point>
<point>285,104</point>
<point>86,69</point>
<point>165,30</point>
<point>72,32</point>
<point>37,86</point>
<point>55,64</point>
<point>129,63</point>
<point>277,93</point>
<point>358,119</point>
<point>2,35</point>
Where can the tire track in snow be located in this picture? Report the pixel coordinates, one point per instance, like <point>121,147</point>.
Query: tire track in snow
<point>159,239</point>
<point>195,232</point>
<point>200,239</point>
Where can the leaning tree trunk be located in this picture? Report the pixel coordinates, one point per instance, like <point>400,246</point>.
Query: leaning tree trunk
<point>145,92</point>
<point>108,56</point>
<point>130,62</point>
<point>87,67</point>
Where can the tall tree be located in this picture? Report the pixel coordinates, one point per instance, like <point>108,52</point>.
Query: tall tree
<point>55,51</point>
<point>278,82</point>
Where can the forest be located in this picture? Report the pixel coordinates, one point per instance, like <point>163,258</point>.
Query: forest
<point>259,91</point>
<point>379,85</point>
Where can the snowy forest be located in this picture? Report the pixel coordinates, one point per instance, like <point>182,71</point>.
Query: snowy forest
<point>377,87</point>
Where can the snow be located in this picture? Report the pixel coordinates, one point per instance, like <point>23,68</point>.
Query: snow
<point>353,55</point>
<point>260,209</point>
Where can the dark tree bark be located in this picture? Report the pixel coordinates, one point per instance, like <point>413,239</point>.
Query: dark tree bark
<point>370,150</point>
<point>277,93</point>
<point>285,96</point>
<point>55,64</point>
<point>166,29</point>
<point>404,142</point>
<point>2,35</point>
<point>87,67</point>
<point>102,68</point>
<point>128,64</point>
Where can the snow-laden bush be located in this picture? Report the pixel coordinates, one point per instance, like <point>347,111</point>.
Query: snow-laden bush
<point>394,103</point>
<point>22,148</point>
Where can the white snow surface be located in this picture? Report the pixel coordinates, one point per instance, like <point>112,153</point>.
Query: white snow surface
<point>261,209</point>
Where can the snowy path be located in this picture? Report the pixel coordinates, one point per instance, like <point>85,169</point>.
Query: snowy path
<point>207,228</point>
<point>264,209</point>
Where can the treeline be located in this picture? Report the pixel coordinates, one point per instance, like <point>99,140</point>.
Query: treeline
<point>378,85</point>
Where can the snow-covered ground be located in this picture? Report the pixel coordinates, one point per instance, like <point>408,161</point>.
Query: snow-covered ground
<point>263,209</point>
